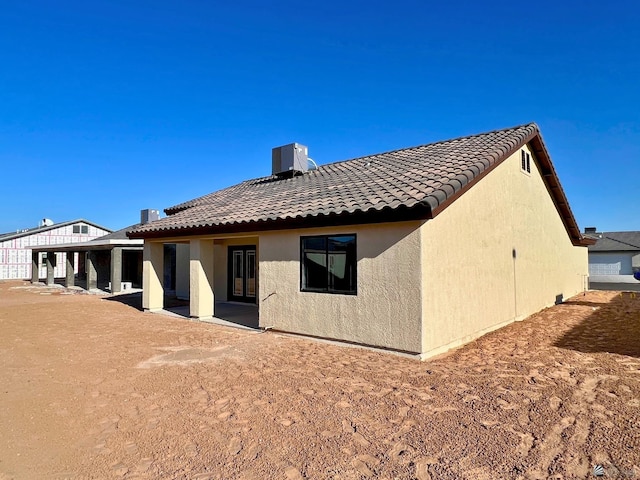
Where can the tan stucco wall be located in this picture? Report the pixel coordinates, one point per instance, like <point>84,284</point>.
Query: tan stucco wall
<point>201,284</point>
<point>386,310</point>
<point>220,258</point>
<point>472,283</point>
<point>152,263</point>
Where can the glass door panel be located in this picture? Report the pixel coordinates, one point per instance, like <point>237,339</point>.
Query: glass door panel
<point>251,272</point>
<point>238,278</point>
<point>242,273</point>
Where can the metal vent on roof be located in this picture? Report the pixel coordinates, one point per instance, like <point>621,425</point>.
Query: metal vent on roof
<point>289,159</point>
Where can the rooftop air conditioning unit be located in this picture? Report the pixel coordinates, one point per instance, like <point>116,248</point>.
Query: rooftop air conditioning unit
<point>149,215</point>
<point>289,159</point>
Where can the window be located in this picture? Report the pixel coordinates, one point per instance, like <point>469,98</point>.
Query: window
<point>44,259</point>
<point>525,161</point>
<point>328,264</point>
<point>76,229</point>
<point>84,229</point>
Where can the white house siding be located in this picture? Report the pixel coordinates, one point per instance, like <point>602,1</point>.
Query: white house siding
<point>610,264</point>
<point>15,254</point>
<point>611,267</point>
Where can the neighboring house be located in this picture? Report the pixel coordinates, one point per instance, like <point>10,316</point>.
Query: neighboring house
<point>112,261</point>
<point>16,247</point>
<point>615,256</point>
<point>417,250</point>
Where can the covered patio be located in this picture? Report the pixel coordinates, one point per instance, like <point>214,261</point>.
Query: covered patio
<point>209,279</point>
<point>226,313</point>
<point>112,262</point>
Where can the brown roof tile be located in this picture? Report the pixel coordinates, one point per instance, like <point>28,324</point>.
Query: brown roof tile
<point>423,179</point>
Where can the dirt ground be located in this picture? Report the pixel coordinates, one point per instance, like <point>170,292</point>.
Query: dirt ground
<point>94,388</point>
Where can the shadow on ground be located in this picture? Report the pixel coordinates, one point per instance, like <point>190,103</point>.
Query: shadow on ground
<point>233,313</point>
<point>245,315</point>
<point>617,287</point>
<point>613,327</point>
<point>135,300</point>
<point>131,299</point>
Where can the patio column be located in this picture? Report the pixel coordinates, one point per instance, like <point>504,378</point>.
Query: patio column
<point>152,273</point>
<point>51,263</point>
<point>35,267</point>
<point>92,270</point>
<point>201,279</point>
<point>116,269</point>
<point>82,265</point>
<point>70,269</point>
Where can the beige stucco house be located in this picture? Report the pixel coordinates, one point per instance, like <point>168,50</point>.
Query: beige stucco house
<point>416,250</point>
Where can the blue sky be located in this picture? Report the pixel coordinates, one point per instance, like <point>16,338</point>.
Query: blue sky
<point>109,107</point>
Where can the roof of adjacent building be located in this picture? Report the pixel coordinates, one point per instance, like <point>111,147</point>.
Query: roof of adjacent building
<point>120,234</point>
<point>615,242</point>
<point>111,240</point>
<point>411,183</point>
<point>35,230</point>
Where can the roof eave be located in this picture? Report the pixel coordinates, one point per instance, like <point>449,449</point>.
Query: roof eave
<point>46,228</point>
<point>552,183</point>
<point>417,212</point>
<point>549,176</point>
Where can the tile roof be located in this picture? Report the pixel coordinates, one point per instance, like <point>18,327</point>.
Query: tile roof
<point>416,182</point>
<point>616,242</point>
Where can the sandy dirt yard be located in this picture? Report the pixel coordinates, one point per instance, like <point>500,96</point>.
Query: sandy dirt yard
<point>94,388</point>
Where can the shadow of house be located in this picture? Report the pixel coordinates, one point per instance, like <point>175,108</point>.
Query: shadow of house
<point>232,313</point>
<point>613,327</point>
<point>133,300</point>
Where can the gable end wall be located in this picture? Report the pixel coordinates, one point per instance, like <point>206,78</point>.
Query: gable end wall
<point>472,282</point>
<point>15,254</point>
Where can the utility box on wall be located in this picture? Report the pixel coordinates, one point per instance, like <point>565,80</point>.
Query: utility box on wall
<point>292,158</point>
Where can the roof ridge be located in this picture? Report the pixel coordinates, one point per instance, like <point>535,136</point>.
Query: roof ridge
<point>44,228</point>
<point>252,181</point>
<point>411,183</point>
<point>619,241</point>
<point>439,142</point>
<point>320,167</point>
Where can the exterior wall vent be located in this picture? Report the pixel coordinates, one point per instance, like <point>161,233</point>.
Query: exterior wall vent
<point>289,159</point>
<point>149,215</point>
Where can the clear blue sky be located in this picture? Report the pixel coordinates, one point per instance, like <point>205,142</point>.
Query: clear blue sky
<point>109,107</point>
